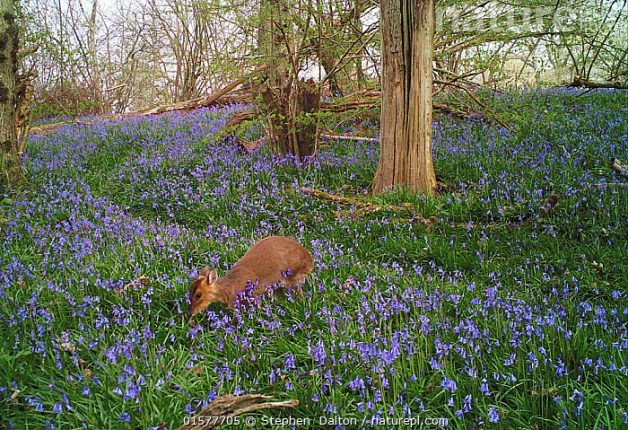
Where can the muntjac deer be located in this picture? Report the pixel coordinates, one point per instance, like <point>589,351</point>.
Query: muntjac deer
<point>273,259</point>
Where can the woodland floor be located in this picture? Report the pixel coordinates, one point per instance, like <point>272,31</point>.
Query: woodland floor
<point>501,314</point>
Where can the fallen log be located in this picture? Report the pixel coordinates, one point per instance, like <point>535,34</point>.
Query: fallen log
<point>357,138</point>
<point>189,105</point>
<point>584,83</point>
<point>343,105</point>
<point>194,103</point>
<point>350,201</point>
<point>212,98</point>
<point>238,92</point>
<point>364,207</point>
<point>334,107</point>
<point>221,409</point>
<point>372,99</point>
<point>239,117</point>
<point>234,92</point>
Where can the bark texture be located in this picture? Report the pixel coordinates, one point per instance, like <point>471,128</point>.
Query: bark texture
<point>407,29</point>
<point>10,169</point>
<point>292,124</point>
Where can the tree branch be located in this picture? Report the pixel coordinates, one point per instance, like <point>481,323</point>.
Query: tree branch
<point>223,407</point>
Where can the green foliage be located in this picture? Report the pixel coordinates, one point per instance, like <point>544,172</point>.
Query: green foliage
<point>64,101</point>
<point>46,110</point>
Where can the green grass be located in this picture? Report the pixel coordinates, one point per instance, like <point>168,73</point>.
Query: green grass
<point>398,308</point>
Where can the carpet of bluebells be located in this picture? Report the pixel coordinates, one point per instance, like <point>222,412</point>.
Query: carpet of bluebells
<point>508,312</point>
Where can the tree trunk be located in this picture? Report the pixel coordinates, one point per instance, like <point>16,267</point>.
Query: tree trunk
<point>289,101</point>
<point>308,103</point>
<point>292,125</point>
<point>328,61</point>
<point>407,29</point>
<point>94,69</point>
<point>10,168</point>
<point>359,56</point>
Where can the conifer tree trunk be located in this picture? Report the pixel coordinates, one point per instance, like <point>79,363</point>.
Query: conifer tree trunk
<point>407,29</point>
<point>10,168</point>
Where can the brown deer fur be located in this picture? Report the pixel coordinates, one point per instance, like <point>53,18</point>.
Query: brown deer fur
<point>265,263</point>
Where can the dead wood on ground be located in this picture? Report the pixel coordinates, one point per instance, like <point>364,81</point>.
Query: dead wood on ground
<point>584,83</point>
<point>356,138</point>
<point>228,406</point>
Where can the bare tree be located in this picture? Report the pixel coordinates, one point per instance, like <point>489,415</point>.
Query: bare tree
<point>289,100</point>
<point>598,44</point>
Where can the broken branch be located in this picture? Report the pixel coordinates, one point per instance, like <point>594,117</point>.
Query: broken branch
<point>357,138</point>
<point>583,83</point>
<point>232,406</point>
<point>350,201</point>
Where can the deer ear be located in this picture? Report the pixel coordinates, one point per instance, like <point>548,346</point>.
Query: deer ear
<point>204,273</point>
<point>212,277</point>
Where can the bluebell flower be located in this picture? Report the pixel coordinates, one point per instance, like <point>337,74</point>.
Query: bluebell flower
<point>493,415</point>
